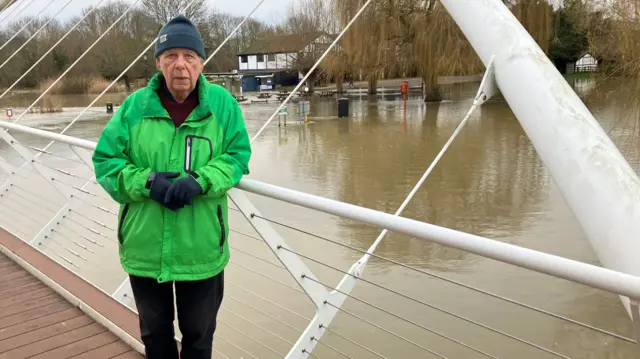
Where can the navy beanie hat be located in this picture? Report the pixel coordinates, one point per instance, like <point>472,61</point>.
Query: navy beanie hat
<point>179,33</point>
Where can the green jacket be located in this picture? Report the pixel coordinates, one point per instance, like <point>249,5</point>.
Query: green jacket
<point>191,243</point>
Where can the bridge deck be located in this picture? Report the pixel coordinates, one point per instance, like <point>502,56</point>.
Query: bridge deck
<point>37,322</point>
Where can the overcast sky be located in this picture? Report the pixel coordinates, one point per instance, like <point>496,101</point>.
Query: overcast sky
<point>270,10</point>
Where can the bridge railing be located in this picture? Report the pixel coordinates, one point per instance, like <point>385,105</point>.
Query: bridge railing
<point>281,298</point>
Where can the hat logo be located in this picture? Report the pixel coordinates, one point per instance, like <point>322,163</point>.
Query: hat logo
<point>163,38</point>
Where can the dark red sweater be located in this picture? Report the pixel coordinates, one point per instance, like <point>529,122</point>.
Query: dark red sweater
<point>178,111</point>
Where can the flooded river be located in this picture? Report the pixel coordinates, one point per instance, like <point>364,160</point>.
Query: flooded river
<point>490,183</point>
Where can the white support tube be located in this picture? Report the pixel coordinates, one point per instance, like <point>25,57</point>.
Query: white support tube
<point>598,184</point>
<point>579,272</point>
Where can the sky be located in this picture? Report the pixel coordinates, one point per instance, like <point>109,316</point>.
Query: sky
<point>270,11</point>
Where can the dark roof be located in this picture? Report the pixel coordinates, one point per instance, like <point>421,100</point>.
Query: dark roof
<point>274,44</point>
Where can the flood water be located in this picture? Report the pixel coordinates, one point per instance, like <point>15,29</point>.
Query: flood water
<point>490,183</point>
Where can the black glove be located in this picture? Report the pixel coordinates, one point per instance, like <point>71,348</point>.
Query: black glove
<point>182,192</point>
<point>158,184</point>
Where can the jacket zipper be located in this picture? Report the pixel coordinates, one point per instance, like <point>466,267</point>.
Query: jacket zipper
<point>123,216</point>
<point>223,233</point>
<point>187,160</point>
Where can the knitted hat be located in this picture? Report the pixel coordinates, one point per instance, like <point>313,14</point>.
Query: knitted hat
<point>179,32</point>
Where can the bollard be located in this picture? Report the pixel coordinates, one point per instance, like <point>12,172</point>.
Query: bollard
<point>109,107</point>
<point>343,107</point>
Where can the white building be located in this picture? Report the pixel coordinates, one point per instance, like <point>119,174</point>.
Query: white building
<point>279,59</point>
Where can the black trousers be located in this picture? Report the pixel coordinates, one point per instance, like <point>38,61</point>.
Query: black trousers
<point>197,304</point>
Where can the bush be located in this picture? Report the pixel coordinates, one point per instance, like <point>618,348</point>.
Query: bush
<point>79,85</point>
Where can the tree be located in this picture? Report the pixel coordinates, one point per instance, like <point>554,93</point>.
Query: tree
<point>569,39</point>
<point>164,10</point>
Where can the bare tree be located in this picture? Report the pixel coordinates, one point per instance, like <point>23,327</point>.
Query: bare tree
<point>164,10</point>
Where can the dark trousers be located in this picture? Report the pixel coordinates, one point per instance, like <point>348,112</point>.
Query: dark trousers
<point>197,304</point>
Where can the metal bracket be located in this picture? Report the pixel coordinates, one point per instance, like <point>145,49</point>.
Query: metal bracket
<point>488,87</point>
<point>124,293</point>
<point>300,272</point>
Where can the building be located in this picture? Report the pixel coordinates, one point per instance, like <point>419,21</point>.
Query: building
<point>585,62</point>
<point>280,60</point>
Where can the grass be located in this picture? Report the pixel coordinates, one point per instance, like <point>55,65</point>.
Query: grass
<point>79,85</point>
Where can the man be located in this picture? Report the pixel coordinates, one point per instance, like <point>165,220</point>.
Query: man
<point>168,156</point>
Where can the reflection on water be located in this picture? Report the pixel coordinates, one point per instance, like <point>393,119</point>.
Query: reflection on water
<point>491,183</point>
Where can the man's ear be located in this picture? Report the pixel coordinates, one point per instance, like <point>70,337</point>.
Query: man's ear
<point>158,64</point>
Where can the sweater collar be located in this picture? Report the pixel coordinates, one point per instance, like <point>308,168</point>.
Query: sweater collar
<point>153,106</point>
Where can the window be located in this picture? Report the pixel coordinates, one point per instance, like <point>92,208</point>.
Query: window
<point>260,58</point>
<point>271,57</point>
<point>244,59</point>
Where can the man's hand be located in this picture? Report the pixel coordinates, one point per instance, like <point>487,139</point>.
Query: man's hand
<point>182,192</point>
<point>160,184</point>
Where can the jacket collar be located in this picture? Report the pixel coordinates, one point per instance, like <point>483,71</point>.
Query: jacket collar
<point>153,107</point>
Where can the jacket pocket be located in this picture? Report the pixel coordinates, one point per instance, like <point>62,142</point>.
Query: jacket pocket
<point>223,232</point>
<point>123,216</point>
<point>191,142</point>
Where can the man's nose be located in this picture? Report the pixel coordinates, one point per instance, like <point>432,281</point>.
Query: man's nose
<point>180,62</point>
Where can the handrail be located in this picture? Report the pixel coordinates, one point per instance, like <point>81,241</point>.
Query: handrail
<point>569,269</point>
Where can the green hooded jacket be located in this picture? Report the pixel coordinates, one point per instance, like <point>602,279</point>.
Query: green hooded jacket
<point>191,243</point>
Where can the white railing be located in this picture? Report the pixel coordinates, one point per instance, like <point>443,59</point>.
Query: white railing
<point>53,202</point>
<point>81,237</point>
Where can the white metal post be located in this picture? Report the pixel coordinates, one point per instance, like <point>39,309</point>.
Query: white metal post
<point>596,181</point>
<point>298,270</point>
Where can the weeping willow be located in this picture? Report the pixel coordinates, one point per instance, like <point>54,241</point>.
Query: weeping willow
<point>396,38</point>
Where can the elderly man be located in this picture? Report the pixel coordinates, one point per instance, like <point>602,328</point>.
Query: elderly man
<point>168,156</point>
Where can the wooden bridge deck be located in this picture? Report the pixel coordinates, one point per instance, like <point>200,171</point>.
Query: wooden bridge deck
<point>36,322</point>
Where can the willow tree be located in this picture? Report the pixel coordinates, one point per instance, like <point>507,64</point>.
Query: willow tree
<point>366,50</point>
<point>537,17</point>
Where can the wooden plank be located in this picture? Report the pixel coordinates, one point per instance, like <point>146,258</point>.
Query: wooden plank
<point>18,283</point>
<point>6,281</point>
<point>44,333</point>
<point>53,342</point>
<point>10,269</point>
<point>104,304</point>
<point>35,313</point>
<point>24,288</point>
<point>79,347</point>
<point>129,355</point>
<point>105,351</point>
<point>26,306</point>
<point>41,322</point>
<point>24,297</point>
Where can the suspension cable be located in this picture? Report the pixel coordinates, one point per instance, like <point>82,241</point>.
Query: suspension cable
<point>306,77</point>
<point>258,326</point>
<point>47,53</point>
<point>242,332</point>
<point>352,341</point>
<point>330,347</point>
<point>233,32</point>
<point>6,6</point>
<point>27,24</point>
<point>448,280</point>
<point>136,60</point>
<point>269,301</point>
<point>6,18</point>
<point>298,331</point>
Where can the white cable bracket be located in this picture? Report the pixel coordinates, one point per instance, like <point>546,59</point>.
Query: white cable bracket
<point>296,267</point>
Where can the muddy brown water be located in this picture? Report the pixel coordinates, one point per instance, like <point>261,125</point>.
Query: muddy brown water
<point>490,183</point>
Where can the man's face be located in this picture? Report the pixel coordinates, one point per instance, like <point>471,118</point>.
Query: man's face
<point>181,68</point>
